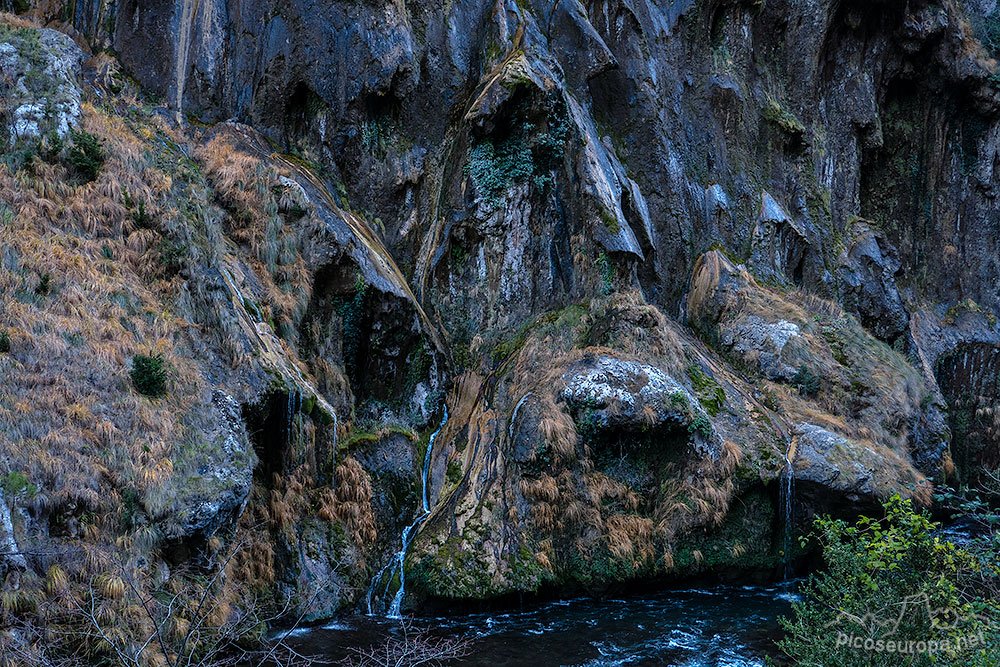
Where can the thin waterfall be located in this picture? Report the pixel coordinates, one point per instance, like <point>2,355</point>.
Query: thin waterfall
<point>293,421</point>
<point>333,454</point>
<point>395,565</point>
<point>787,505</point>
<point>187,12</point>
<point>513,417</point>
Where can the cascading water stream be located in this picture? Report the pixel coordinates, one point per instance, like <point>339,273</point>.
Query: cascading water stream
<point>395,564</point>
<point>787,499</point>
<point>513,417</point>
<point>186,13</point>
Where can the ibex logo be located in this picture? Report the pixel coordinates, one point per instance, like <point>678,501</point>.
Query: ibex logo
<point>877,633</point>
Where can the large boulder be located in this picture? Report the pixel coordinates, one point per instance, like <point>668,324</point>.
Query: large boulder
<point>857,473</point>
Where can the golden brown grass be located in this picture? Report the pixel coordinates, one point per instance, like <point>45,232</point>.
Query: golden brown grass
<point>629,537</point>
<point>246,187</point>
<point>19,21</point>
<point>353,506</point>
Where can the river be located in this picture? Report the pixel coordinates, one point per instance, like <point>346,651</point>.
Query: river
<point>731,626</point>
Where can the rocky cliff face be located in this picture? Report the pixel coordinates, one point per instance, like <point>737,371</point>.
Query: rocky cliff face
<point>643,251</point>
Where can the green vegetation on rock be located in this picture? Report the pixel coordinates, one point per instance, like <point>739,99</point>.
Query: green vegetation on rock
<point>149,375</point>
<point>893,579</point>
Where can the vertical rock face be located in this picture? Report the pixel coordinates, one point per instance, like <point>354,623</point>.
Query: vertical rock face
<point>647,250</point>
<point>654,104</point>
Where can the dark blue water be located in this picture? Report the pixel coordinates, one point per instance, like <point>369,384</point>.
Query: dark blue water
<point>729,626</point>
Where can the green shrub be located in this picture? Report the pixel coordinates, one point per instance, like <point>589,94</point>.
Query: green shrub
<point>894,579</point>
<point>44,285</point>
<point>51,147</point>
<point>86,155</point>
<point>700,425</point>
<point>4,342</point>
<point>149,375</point>
<point>807,382</point>
<point>16,482</point>
<point>139,213</point>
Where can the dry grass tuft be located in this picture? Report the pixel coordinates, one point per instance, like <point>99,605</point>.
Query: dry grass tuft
<point>559,432</point>
<point>629,537</point>
<point>353,504</point>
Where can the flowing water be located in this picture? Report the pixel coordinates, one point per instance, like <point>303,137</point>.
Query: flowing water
<point>732,626</point>
<point>187,11</point>
<point>381,584</point>
<point>787,499</point>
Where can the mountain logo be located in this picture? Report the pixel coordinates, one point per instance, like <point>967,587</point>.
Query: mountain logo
<point>941,618</point>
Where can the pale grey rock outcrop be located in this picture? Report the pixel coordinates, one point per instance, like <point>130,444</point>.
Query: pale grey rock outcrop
<point>850,469</point>
<point>10,553</point>
<point>44,68</point>
<point>619,394</point>
<point>751,336</point>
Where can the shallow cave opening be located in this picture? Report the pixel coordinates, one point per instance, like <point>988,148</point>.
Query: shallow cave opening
<point>371,335</point>
<point>379,121</point>
<point>642,459</point>
<point>301,107</point>
<point>531,126</point>
<point>968,378</point>
<point>269,424</point>
<point>797,270</point>
<point>383,105</point>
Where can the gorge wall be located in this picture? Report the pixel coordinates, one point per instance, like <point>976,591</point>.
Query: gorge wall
<point>643,251</point>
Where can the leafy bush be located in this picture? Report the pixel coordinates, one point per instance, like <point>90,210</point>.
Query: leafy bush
<point>807,382</point>
<point>44,285</point>
<point>495,168</point>
<point>4,342</point>
<point>700,425</point>
<point>86,155</point>
<point>607,271</point>
<point>894,580</point>
<point>149,375</point>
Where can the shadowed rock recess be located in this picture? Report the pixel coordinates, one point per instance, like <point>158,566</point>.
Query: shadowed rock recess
<point>644,252</point>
